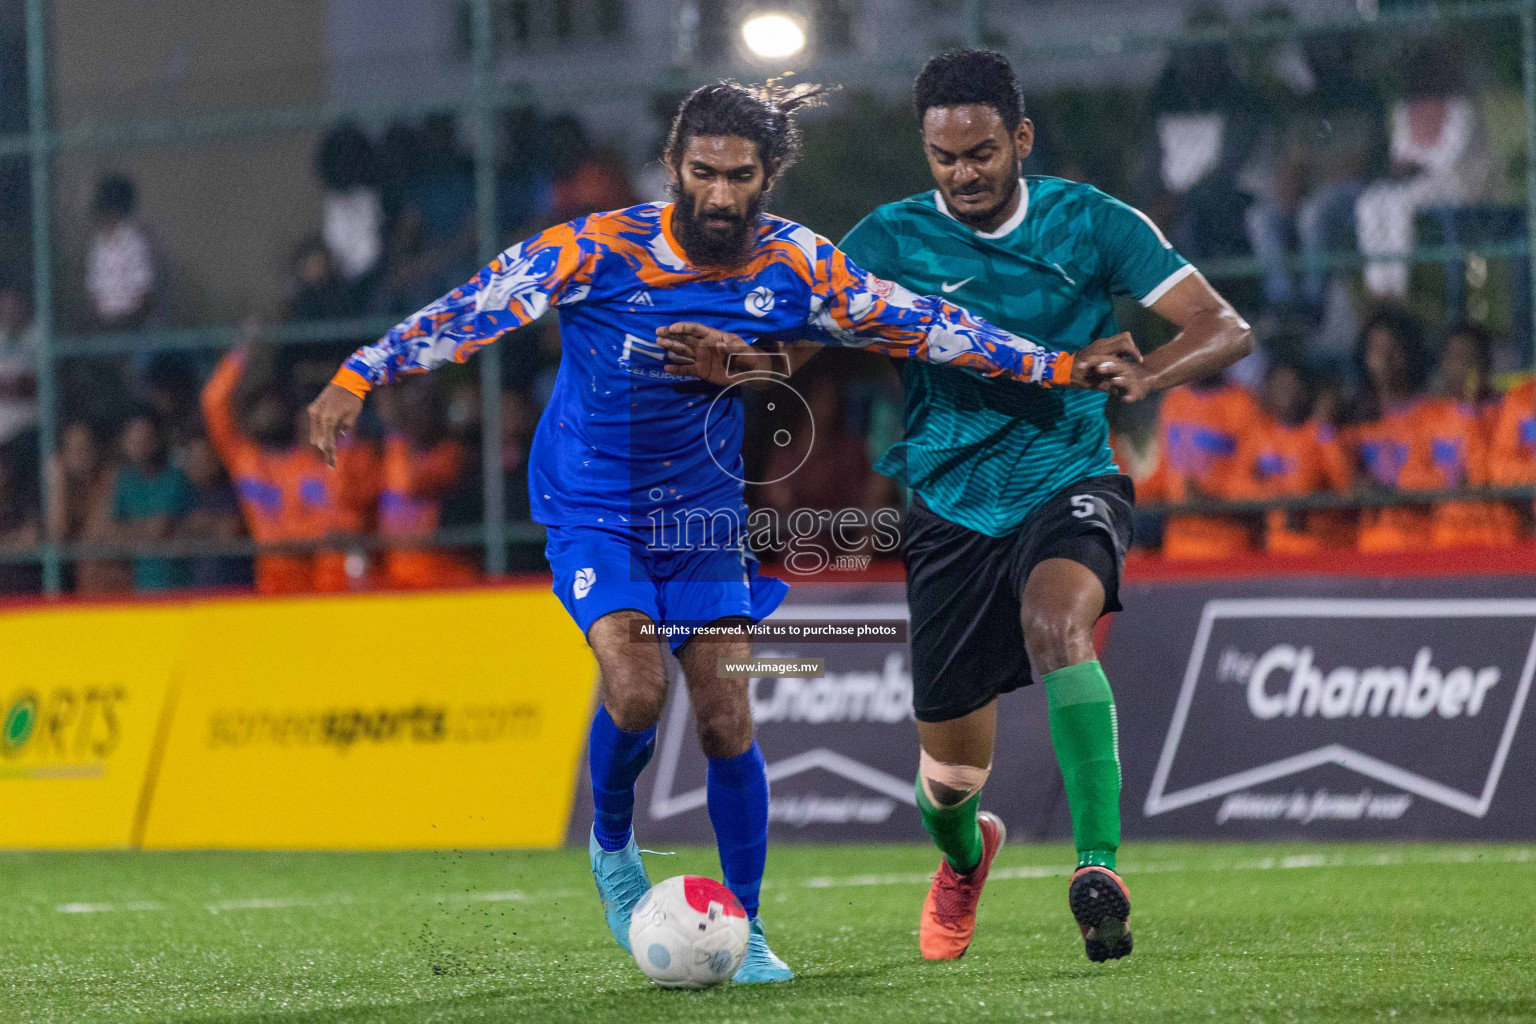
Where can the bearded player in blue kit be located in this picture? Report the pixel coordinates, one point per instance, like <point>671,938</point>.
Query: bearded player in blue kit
<point>625,442</point>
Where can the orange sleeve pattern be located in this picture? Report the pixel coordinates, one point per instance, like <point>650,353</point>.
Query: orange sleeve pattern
<point>553,268</point>
<point>852,308</point>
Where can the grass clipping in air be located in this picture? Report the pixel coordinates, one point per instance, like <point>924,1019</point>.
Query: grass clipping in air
<point>1306,933</point>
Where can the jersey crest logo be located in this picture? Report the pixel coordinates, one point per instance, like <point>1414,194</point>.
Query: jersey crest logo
<point>760,302</point>
<point>584,580</point>
<point>641,298</point>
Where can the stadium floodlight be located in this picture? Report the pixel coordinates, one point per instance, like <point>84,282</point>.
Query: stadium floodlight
<point>773,35</point>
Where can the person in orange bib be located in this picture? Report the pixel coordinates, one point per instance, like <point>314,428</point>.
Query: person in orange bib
<point>1201,425</point>
<point>421,466</point>
<point>1459,425</point>
<point>287,493</point>
<point>1288,453</point>
<point>1512,451</point>
<point>1387,440</point>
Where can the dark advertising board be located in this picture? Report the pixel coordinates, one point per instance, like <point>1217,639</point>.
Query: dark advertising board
<point>1328,708</point>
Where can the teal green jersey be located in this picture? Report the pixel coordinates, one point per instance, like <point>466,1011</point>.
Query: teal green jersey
<point>984,453</point>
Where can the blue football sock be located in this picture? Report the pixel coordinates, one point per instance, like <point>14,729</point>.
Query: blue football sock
<point>737,793</point>
<point>616,759</point>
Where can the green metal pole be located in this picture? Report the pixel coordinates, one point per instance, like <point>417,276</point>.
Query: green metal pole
<point>1528,79</point>
<point>42,271</point>
<point>975,21</point>
<point>484,110</point>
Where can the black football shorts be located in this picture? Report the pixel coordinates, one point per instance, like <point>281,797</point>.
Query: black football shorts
<point>965,589</point>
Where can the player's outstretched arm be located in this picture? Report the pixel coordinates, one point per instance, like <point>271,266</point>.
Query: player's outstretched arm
<point>552,268</point>
<point>720,357</point>
<point>853,308</point>
<point>1212,336</point>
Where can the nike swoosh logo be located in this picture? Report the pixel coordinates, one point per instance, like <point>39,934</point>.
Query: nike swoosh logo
<point>947,287</point>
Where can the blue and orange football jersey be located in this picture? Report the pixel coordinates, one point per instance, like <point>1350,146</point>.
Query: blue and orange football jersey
<point>623,443</point>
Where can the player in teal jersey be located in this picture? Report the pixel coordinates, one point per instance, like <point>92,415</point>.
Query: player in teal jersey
<point>1020,519</point>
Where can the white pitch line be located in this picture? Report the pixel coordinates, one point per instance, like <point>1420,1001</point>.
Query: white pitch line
<point>491,897</point>
<point>279,902</point>
<point>138,906</point>
<point>1519,855</point>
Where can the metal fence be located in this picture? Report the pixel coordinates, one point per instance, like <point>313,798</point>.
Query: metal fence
<point>482,101</point>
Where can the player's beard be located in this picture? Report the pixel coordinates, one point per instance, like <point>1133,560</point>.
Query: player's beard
<point>707,247</point>
<point>984,217</point>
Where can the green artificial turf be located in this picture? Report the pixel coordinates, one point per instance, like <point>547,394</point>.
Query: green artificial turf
<point>1305,933</point>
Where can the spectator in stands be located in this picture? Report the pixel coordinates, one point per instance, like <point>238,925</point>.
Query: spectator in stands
<point>170,384</point>
<point>18,363</point>
<point>442,188</point>
<point>412,276</point>
<point>1459,421</point>
<point>1287,453</point>
<point>148,501</point>
<point>1512,459</point>
<point>21,523</point>
<point>318,291</point>
<point>352,212</point>
<point>1386,436</point>
<point>1200,428</point>
<point>214,516</point>
<point>524,186</point>
<point>1207,123</point>
<point>286,492</point>
<point>1332,142</point>
<point>82,481</point>
<point>1439,158</point>
<point>1393,362</point>
<point>120,264</point>
<point>422,465</point>
<point>586,179</point>
<point>1466,370</point>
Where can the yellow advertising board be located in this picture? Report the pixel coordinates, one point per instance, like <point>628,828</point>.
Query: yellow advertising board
<point>83,696</point>
<point>373,722</point>
<point>351,722</point>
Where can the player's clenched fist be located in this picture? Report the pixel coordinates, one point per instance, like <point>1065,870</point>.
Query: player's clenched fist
<point>1106,364</point>
<point>331,415</point>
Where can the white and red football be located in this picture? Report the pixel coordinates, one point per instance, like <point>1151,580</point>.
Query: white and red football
<point>688,932</point>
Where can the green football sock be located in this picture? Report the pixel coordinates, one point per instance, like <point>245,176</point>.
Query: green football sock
<point>1086,736</point>
<point>954,829</point>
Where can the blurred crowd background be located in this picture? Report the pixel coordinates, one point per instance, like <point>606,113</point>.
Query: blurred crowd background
<point>1358,194</point>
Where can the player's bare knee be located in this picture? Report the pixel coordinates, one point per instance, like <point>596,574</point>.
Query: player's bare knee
<point>725,728</point>
<point>633,684</point>
<point>1056,638</point>
<point>634,706</point>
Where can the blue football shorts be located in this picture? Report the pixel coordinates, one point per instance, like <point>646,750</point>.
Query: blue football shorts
<point>602,570</point>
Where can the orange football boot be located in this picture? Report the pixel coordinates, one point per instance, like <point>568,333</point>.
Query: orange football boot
<point>949,912</point>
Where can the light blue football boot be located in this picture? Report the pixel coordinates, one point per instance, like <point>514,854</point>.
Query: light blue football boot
<point>760,964</point>
<point>621,884</point>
